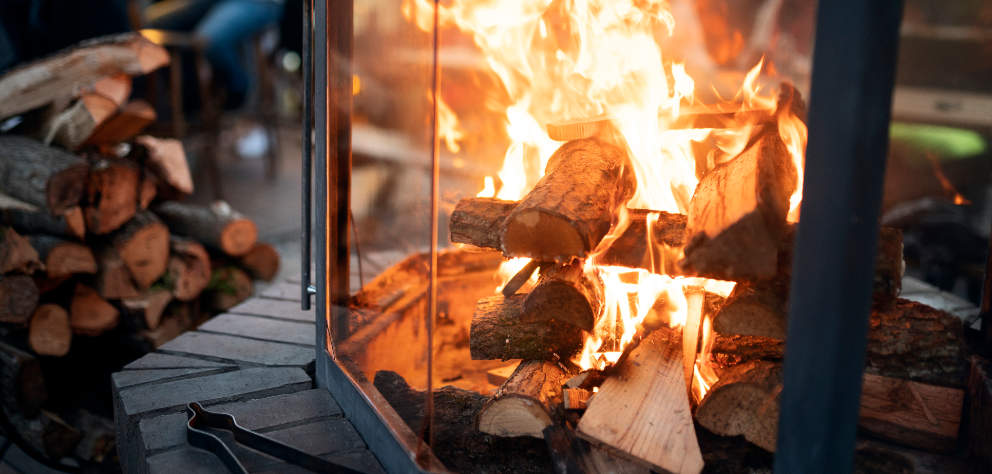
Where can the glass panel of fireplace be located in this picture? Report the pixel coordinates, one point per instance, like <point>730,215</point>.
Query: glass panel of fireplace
<point>848,128</point>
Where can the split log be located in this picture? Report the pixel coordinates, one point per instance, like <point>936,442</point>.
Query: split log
<point>112,194</point>
<point>49,333</point>
<point>148,307</point>
<point>575,398</point>
<point>63,258</point>
<point>745,401</point>
<point>578,128</point>
<point>262,261</point>
<point>167,159</point>
<point>647,392</point>
<point>514,284</point>
<point>217,226</point>
<point>228,287</point>
<point>143,245</point>
<point>77,68</point>
<point>737,214</point>
<point>526,403</point>
<point>71,127</point>
<point>128,122</point>
<point>652,240</point>
<point>911,413</point>
<point>116,88</point>
<point>22,383</point>
<point>500,374</point>
<point>43,176</point>
<point>113,279</point>
<point>69,224</point>
<point>147,190</point>
<point>189,268</point>
<point>573,206</point>
<point>565,293</point>
<point>498,332</point>
<point>89,314</point>
<point>979,414</point>
<point>17,254</point>
<point>18,298</point>
<point>47,433</point>
<point>477,221</point>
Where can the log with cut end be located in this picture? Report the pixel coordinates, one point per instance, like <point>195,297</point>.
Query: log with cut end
<point>128,122</point>
<point>71,127</point>
<point>745,401</point>
<point>18,298</point>
<point>217,226</point>
<point>499,332</point>
<point>575,398</point>
<point>113,279</point>
<point>737,214</point>
<point>22,383</point>
<point>565,293</point>
<point>44,176</point>
<point>642,411</point>
<point>573,206</point>
<point>16,253</point>
<point>143,245</point>
<point>228,287</point>
<point>148,307</point>
<point>49,332</point>
<point>70,224</point>
<point>167,159</point>
<point>112,194</point>
<point>753,310</point>
<point>89,314</point>
<point>525,404</point>
<point>77,68</point>
<point>262,261</point>
<point>63,258</point>
<point>911,413</point>
<point>477,221</point>
<point>189,268</point>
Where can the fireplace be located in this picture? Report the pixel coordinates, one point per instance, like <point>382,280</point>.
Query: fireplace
<point>628,284</point>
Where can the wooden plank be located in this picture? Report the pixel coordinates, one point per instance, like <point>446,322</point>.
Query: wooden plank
<point>911,413</point>
<point>642,412</point>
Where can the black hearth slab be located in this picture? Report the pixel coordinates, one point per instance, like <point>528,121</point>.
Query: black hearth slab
<point>272,308</point>
<point>130,378</point>
<point>16,461</point>
<point>254,327</point>
<point>196,461</point>
<point>240,350</point>
<point>157,360</point>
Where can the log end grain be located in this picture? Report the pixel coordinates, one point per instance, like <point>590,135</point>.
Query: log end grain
<point>262,261</point>
<point>49,333</point>
<point>542,235</point>
<point>18,298</point>
<point>145,252</point>
<point>89,314</point>
<point>513,416</point>
<point>238,237</point>
<point>745,401</point>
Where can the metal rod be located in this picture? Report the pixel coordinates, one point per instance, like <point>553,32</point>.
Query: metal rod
<point>338,175</point>
<point>321,112</point>
<point>850,101</point>
<point>307,191</point>
<point>435,198</point>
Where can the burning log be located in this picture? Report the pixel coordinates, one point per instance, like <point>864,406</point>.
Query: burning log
<point>143,245</point>
<point>113,279</point>
<point>737,214</point>
<point>89,314</point>
<point>745,401</point>
<point>525,404</point>
<point>575,398</point>
<point>217,226</point>
<point>262,261</point>
<point>22,384</point>
<point>647,392</point>
<point>18,298</point>
<point>43,176</point>
<point>569,454</point>
<point>653,240</point>
<point>49,333</point>
<point>189,268</point>
<point>499,332</point>
<point>753,310</point>
<point>16,253</point>
<point>477,221</point>
<point>69,224</point>
<point>63,258</point>
<point>565,293</point>
<point>148,307</point>
<point>167,159</point>
<point>573,206</point>
<point>112,194</point>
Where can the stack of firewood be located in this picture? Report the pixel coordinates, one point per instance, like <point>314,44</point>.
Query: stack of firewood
<point>92,232</point>
<point>736,230</point>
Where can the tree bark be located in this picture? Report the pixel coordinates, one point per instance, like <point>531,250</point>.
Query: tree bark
<point>22,384</point>
<point>167,159</point>
<point>565,293</point>
<point>498,332</point>
<point>43,176</point>
<point>573,206</point>
<point>89,314</point>
<point>143,245</point>
<point>63,258</point>
<point>262,261</point>
<point>477,221</point>
<point>754,310</point>
<point>217,226</point>
<point>189,268</point>
<point>526,403</point>
<point>49,333</point>
<point>18,298</point>
<point>69,225</point>
<point>17,254</point>
<point>112,194</point>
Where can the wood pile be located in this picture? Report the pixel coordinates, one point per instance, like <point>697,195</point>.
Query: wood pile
<point>94,236</point>
<point>640,410</point>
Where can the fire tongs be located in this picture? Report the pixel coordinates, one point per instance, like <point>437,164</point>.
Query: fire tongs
<point>198,418</point>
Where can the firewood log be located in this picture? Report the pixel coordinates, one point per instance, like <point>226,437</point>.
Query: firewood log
<point>113,279</point>
<point>262,261</point>
<point>116,88</point>
<point>112,194</point>
<point>228,286</point>
<point>979,413</point>
<point>128,122</point>
<point>565,293</point>
<point>575,398</point>
<point>71,127</point>
<point>189,268</point>
<point>167,159</point>
<point>70,224</point>
<point>753,310</point>
<point>47,434</point>
<point>737,214</point>
<point>17,254</point>
<point>49,332</point>
<point>477,221</point>
<point>22,383</point>
<point>525,404</point>
<point>43,176</point>
<point>75,69</point>
<point>63,258</point>
<point>652,240</point>
<point>147,190</point>
<point>89,314</point>
<point>217,226</point>
<point>18,298</point>
<point>573,206</point>
<point>143,245</point>
<point>498,332</point>
<point>148,307</point>
<point>745,401</point>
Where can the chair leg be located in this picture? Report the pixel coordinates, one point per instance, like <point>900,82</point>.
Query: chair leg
<point>267,117</point>
<point>210,117</point>
<point>176,95</point>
